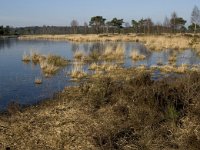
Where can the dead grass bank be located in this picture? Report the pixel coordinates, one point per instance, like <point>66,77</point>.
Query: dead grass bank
<point>153,42</point>
<point>115,112</point>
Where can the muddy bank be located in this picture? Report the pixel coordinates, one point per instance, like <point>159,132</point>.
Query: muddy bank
<point>119,111</point>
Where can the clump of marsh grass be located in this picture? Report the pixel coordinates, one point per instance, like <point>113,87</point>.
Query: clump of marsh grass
<point>176,69</point>
<point>26,57</point>
<point>36,57</point>
<point>114,52</point>
<point>38,80</point>
<point>49,64</point>
<point>195,68</point>
<point>182,69</point>
<point>103,66</point>
<point>47,68</point>
<point>172,58</point>
<point>167,68</point>
<point>109,53</point>
<point>77,71</point>
<point>111,67</point>
<point>135,55</point>
<point>93,66</point>
<point>108,50</point>
<point>79,55</point>
<point>120,51</point>
<point>94,55</point>
<point>141,68</point>
<point>56,60</point>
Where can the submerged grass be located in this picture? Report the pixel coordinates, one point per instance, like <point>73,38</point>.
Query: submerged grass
<point>125,111</point>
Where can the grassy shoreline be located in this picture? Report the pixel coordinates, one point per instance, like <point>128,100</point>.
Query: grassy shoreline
<point>8,36</point>
<point>153,42</point>
<point>111,112</point>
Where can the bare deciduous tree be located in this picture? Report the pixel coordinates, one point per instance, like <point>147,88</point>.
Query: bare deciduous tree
<point>173,21</point>
<point>166,24</point>
<point>195,17</point>
<point>74,25</point>
<point>86,27</point>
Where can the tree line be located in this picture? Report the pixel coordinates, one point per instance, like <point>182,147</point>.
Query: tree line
<point>99,24</point>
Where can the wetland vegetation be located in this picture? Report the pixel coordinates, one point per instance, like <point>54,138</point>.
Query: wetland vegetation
<point>113,106</point>
<point>104,85</point>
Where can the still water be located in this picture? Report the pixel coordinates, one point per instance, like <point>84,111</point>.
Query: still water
<point>17,78</point>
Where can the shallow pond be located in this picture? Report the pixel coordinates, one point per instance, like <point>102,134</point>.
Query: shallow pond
<point>17,78</point>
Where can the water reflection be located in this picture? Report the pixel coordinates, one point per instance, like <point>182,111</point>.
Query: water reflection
<point>6,43</point>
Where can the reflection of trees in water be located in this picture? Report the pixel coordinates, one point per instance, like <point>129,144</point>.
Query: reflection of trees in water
<point>86,47</point>
<point>128,46</point>
<point>75,47</point>
<point>194,59</point>
<point>188,57</point>
<point>6,43</point>
<point>165,56</point>
<point>97,47</point>
<point>143,50</point>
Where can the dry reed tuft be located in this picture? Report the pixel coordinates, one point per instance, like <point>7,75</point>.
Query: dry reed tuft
<point>135,55</point>
<point>38,80</point>
<point>172,58</point>
<point>114,52</point>
<point>77,71</point>
<point>49,64</point>
<point>93,66</point>
<point>35,57</point>
<point>79,55</point>
<point>26,57</point>
<point>47,68</point>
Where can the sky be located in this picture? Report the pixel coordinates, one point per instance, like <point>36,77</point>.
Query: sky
<point>18,13</point>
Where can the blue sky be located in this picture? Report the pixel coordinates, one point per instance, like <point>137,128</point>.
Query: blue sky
<point>61,12</point>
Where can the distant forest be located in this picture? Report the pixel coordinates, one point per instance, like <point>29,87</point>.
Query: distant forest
<point>99,25</point>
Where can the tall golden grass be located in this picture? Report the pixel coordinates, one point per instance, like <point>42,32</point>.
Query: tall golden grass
<point>153,42</point>
<point>135,55</point>
<point>49,64</point>
<point>77,71</point>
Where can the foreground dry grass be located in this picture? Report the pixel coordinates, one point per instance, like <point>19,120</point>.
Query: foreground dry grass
<point>153,42</point>
<point>115,111</point>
